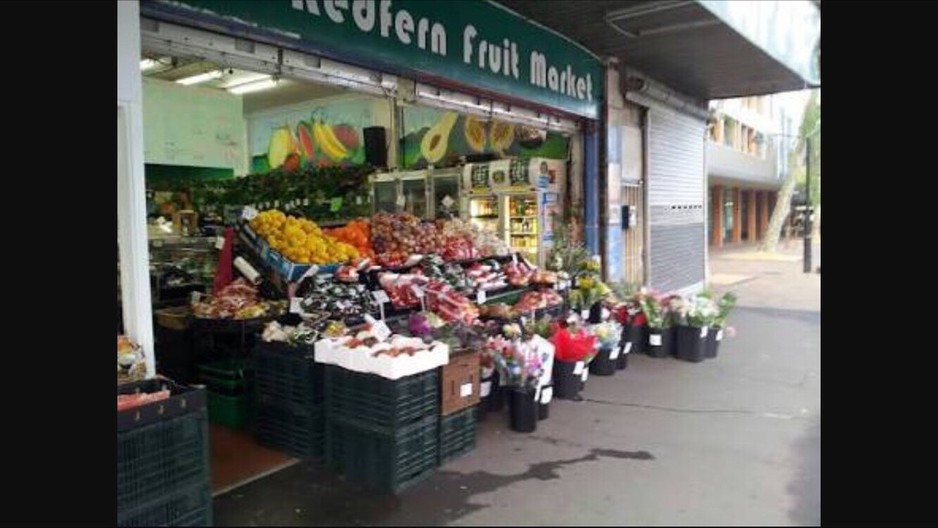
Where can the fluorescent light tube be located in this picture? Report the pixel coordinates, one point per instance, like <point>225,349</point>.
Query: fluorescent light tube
<point>247,79</point>
<point>148,64</point>
<point>200,78</point>
<point>253,86</point>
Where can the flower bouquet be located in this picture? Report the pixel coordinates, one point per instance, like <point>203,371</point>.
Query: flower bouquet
<point>657,309</point>
<point>520,365</point>
<point>608,336</point>
<point>574,348</point>
<point>723,308</point>
<point>692,317</point>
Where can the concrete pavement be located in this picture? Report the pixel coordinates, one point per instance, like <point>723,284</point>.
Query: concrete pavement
<point>731,441</point>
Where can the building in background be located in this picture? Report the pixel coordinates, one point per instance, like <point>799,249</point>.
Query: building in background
<point>750,141</point>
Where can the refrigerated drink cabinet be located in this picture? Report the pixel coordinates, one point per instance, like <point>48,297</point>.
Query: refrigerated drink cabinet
<point>520,230</point>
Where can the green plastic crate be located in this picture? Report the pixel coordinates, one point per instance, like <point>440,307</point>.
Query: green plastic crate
<point>230,411</point>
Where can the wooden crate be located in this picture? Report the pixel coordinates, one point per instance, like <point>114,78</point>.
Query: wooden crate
<point>459,382</point>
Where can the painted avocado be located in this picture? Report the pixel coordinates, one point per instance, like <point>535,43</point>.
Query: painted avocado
<point>501,135</point>
<point>436,141</point>
<point>474,131</point>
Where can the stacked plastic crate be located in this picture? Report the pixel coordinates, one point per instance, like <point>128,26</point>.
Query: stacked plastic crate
<point>288,389</point>
<point>163,458</point>
<point>460,396</point>
<point>379,431</point>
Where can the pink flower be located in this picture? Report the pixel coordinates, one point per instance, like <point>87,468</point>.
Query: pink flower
<point>730,331</point>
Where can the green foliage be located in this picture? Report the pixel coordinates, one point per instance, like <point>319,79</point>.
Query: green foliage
<point>724,307</point>
<point>567,252</point>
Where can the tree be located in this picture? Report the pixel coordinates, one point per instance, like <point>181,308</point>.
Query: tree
<point>810,129</point>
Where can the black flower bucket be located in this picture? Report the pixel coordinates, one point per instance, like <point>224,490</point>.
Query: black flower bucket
<point>691,343</point>
<point>496,399</point>
<point>604,364</point>
<point>523,409</point>
<point>661,342</point>
<point>631,336</point>
<point>543,403</point>
<point>714,338</point>
<point>567,377</point>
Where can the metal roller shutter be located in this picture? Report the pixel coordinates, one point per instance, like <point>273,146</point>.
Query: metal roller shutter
<point>677,234</point>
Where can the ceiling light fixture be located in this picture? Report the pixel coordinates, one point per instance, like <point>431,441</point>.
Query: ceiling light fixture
<point>200,78</point>
<point>148,64</point>
<point>238,81</point>
<point>253,86</point>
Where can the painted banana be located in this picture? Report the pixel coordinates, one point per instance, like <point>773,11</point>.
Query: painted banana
<point>330,144</point>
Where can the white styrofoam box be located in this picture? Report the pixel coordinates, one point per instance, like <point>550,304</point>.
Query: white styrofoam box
<point>362,359</point>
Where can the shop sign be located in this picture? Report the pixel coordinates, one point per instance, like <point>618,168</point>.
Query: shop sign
<point>478,44</point>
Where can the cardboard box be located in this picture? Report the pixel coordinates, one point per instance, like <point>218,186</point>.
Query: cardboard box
<point>459,383</point>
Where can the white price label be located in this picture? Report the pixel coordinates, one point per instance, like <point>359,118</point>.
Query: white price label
<point>720,335</point>
<point>578,368</point>
<point>295,306</point>
<point>380,330</point>
<point>703,332</point>
<point>401,200</point>
<point>305,202</point>
<point>514,258</point>
<point>628,347</point>
<point>465,390</point>
<point>480,297</point>
<point>248,213</point>
<point>586,374</point>
<point>584,314</point>
<point>219,242</point>
<point>417,291</point>
<point>276,204</point>
<point>605,314</point>
<point>614,353</point>
<point>654,339</point>
<point>448,202</point>
<point>381,296</point>
<point>485,388</point>
<point>547,394</point>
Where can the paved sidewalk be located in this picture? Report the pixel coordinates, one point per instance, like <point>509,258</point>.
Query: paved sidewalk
<point>731,441</point>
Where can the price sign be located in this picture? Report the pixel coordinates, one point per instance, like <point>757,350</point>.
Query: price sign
<point>614,353</point>
<point>628,347</point>
<point>219,242</point>
<point>654,339</point>
<point>381,296</point>
<point>401,200</point>
<point>248,213</point>
<point>584,314</point>
<point>546,395</point>
<point>720,335</point>
<point>448,202</point>
<point>465,390</point>
<point>380,330</point>
<point>480,297</point>
<point>703,332</point>
<point>485,388</point>
<point>296,306</point>
<point>586,374</point>
<point>578,368</point>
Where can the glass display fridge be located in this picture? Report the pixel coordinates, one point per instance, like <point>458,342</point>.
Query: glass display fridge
<point>446,191</point>
<point>402,192</point>
<point>520,228</point>
<point>479,201</point>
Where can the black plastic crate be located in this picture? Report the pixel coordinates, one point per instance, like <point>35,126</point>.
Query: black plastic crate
<point>295,430</point>
<point>458,434</point>
<point>390,462</point>
<point>182,400</point>
<point>380,402</point>
<point>155,460</point>
<point>288,374</point>
<point>189,507</point>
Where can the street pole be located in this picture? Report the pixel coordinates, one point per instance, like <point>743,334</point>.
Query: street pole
<point>807,209</point>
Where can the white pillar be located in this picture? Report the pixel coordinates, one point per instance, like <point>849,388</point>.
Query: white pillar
<point>131,187</point>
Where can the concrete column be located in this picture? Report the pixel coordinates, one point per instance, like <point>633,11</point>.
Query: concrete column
<point>751,214</point>
<point>737,215</point>
<point>763,213</point>
<point>716,216</point>
<point>131,187</point>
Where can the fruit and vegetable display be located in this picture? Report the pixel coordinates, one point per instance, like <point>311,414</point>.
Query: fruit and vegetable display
<point>327,299</point>
<point>130,361</point>
<point>357,234</point>
<point>487,275</point>
<point>449,304</point>
<point>452,274</point>
<point>300,239</point>
<point>237,300</point>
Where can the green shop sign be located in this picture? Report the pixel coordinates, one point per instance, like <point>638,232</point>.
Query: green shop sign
<point>476,43</point>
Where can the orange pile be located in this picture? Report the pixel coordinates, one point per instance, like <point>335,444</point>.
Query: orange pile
<point>356,233</point>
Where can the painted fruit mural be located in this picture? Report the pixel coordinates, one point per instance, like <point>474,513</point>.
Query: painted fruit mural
<point>441,137</point>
